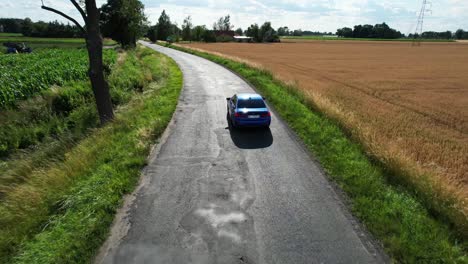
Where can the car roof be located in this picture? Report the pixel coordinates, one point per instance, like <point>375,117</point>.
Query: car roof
<point>247,96</point>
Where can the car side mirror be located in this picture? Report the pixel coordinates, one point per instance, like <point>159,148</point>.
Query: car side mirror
<point>264,98</point>
<point>228,98</point>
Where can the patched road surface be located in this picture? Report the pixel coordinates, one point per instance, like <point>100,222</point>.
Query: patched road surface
<point>211,194</point>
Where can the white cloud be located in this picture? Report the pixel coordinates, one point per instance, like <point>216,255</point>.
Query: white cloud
<point>323,15</point>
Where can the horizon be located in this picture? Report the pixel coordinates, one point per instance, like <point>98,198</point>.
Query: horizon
<point>320,15</point>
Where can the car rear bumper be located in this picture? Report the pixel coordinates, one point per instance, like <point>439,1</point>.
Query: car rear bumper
<point>246,122</point>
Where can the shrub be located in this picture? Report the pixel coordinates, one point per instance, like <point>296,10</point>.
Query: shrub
<point>224,38</point>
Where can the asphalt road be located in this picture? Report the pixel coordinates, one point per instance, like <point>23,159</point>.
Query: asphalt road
<point>211,194</point>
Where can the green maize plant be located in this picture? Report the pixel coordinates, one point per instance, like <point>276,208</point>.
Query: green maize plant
<point>26,75</point>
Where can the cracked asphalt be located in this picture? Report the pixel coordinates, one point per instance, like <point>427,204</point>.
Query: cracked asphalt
<point>211,194</point>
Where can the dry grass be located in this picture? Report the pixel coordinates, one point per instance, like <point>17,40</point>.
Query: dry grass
<point>406,105</point>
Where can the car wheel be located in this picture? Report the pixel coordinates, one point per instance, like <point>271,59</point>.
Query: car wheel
<point>229,119</point>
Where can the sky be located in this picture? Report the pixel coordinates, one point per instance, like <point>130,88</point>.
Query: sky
<point>315,15</point>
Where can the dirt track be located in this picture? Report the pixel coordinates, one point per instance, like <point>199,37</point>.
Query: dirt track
<point>407,104</point>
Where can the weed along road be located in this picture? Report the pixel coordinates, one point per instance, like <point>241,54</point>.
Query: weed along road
<point>211,194</point>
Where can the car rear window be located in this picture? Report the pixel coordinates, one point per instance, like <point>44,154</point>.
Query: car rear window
<point>251,103</point>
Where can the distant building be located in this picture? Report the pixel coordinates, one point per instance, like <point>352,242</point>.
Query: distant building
<point>229,33</point>
<point>242,39</point>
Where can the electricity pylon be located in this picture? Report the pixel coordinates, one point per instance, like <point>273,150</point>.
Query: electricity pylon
<point>425,8</point>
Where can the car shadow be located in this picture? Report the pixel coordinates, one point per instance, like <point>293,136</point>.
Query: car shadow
<point>250,137</point>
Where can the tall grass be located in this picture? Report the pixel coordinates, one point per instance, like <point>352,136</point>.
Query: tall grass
<point>61,213</point>
<point>390,211</point>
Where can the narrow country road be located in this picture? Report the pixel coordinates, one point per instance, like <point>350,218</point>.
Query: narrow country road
<point>214,195</point>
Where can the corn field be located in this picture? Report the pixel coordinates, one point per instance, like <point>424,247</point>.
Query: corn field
<point>25,75</point>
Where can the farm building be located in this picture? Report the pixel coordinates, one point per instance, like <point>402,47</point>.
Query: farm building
<point>242,39</point>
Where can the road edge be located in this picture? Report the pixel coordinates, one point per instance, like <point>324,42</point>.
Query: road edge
<point>120,225</point>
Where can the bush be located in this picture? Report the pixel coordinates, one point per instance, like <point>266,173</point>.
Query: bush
<point>82,119</point>
<point>209,36</point>
<point>68,98</point>
<point>224,38</point>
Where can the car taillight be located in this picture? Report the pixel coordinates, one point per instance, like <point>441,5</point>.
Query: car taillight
<point>239,115</point>
<point>267,114</point>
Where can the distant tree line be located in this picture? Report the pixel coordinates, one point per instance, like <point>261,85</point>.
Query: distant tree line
<point>264,33</point>
<point>222,31</point>
<point>11,25</point>
<point>125,22</point>
<point>122,20</point>
<point>382,31</point>
<point>316,33</point>
<point>164,29</point>
<point>433,35</point>
<point>459,34</point>
<point>42,29</point>
<point>284,31</point>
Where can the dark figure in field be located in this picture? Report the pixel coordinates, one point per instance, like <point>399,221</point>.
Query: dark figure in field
<point>17,47</point>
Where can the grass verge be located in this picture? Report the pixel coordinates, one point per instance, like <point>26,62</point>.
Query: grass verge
<point>390,212</point>
<point>62,214</point>
<point>47,124</point>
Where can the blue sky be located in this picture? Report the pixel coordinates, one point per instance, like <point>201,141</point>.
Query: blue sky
<point>322,15</point>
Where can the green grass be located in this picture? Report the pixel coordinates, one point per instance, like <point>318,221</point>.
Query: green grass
<point>39,40</point>
<point>390,212</point>
<point>62,212</point>
<point>48,42</point>
<point>363,39</point>
<point>5,34</point>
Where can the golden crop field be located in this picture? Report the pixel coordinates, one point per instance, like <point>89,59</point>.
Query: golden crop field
<point>408,105</point>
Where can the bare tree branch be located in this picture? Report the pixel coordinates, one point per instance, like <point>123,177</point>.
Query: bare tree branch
<point>78,7</point>
<point>65,16</point>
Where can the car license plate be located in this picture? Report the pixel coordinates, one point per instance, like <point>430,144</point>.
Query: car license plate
<point>254,116</point>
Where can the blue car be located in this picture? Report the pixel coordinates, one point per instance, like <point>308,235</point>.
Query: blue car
<point>248,109</point>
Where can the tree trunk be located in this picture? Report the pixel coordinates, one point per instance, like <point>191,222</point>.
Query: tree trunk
<point>96,70</point>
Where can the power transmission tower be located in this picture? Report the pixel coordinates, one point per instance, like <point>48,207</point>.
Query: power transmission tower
<point>425,8</point>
